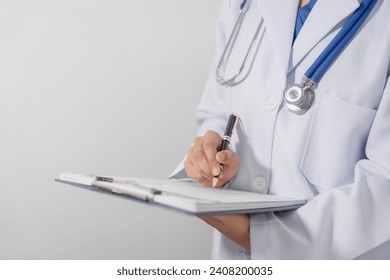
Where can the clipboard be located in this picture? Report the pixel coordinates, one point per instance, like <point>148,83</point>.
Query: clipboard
<point>184,196</point>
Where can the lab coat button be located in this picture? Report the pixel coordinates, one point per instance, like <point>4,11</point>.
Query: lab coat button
<point>272,103</point>
<point>259,183</point>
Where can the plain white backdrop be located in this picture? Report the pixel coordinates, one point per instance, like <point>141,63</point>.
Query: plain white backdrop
<point>98,86</point>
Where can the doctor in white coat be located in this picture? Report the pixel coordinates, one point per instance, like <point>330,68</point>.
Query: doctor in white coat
<point>337,154</point>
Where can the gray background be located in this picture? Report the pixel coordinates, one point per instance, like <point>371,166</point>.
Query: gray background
<point>103,87</point>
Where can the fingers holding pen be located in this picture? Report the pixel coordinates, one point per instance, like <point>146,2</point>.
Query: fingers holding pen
<point>212,141</point>
<point>205,164</point>
<point>201,162</point>
<point>196,164</point>
<point>208,166</point>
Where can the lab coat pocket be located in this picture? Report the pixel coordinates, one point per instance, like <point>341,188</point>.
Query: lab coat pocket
<point>336,141</point>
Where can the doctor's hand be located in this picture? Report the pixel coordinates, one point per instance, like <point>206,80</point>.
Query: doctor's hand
<point>203,160</point>
<point>234,226</point>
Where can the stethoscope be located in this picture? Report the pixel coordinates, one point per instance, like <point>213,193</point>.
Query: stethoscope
<point>297,98</point>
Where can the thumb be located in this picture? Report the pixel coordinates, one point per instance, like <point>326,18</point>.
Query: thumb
<point>227,157</point>
<point>230,162</point>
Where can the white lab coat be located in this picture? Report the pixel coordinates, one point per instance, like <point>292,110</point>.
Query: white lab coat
<point>337,154</point>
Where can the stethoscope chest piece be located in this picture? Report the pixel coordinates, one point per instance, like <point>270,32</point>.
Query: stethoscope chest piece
<point>298,99</point>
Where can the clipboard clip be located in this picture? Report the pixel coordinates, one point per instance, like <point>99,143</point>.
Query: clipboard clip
<point>104,179</point>
<point>112,180</point>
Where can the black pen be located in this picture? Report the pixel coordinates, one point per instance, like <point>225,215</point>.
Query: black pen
<point>230,126</point>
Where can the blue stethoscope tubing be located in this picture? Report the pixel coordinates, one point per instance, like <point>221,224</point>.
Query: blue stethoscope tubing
<point>243,4</point>
<point>317,70</point>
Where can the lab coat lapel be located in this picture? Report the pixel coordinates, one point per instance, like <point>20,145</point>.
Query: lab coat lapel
<point>326,14</point>
<point>279,20</point>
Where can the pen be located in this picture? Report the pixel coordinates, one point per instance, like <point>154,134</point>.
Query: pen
<point>230,126</point>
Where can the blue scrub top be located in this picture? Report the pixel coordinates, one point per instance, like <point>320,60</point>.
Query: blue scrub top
<point>302,15</point>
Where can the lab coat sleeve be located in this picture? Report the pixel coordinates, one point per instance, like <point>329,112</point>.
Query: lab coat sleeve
<point>344,222</point>
<point>211,112</point>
